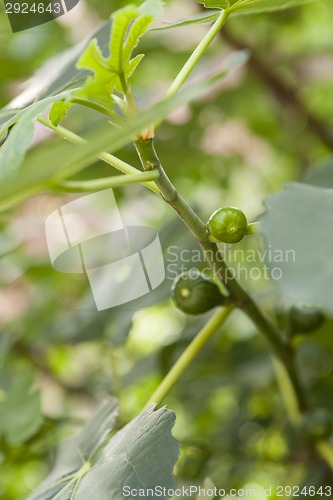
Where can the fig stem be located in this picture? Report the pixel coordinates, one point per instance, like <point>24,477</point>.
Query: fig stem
<point>108,158</point>
<point>253,227</point>
<point>106,182</point>
<point>191,351</point>
<point>197,54</point>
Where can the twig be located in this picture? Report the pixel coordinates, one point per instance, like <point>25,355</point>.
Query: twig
<point>192,350</point>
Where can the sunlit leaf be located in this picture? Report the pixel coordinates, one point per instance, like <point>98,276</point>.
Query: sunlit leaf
<point>61,72</point>
<point>61,159</point>
<point>113,71</point>
<point>58,112</point>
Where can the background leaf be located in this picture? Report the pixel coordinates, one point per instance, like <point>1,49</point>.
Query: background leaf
<point>321,175</point>
<point>128,26</point>
<point>20,412</point>
<point>299,219</point>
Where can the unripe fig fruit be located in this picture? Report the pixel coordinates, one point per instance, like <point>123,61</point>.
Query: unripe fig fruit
<point>304,318</point>
<point>194,294</point>
<point>316,424</point>
<point>228,225</point>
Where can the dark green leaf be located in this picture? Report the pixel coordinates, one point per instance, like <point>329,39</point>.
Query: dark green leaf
<point>73,453</point>
<point>20,414</point>
<point>141,455</point>
<point>128,25</point>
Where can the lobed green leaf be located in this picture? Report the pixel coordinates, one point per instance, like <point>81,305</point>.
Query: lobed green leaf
<point>60,159</point>
<point>113,72</point>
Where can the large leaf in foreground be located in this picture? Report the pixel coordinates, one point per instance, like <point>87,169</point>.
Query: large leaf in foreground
<point>297,227</point>
<point>141,455</point>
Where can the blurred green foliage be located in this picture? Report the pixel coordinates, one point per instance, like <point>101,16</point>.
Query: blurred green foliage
<point>234,146</point>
